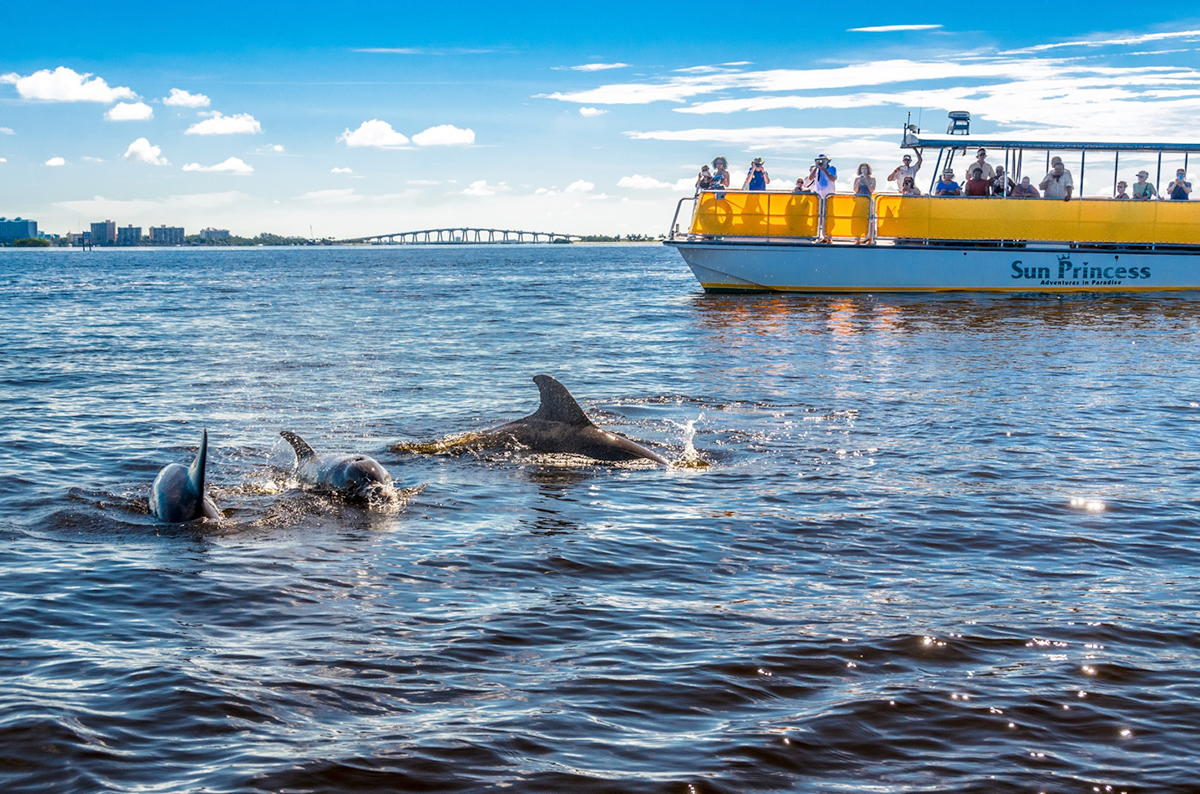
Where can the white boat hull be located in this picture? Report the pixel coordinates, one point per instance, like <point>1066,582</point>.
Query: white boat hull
<point>722,266</point>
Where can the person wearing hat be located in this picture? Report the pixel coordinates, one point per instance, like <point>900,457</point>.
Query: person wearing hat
<point>946,186</point>
<point>757,178</point>
<point>1058,182</point>
<point>1002,185</point>
<point>1143,190</point>
<point>907,169</point>
<point>1121,192</point>
<point>1179,188</point>
<point>982,164</point>
<point>703,180</point>
<point>822,177</point>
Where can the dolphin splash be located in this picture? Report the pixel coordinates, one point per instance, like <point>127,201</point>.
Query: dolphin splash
<point>350,475</point>
<point>178,492</point>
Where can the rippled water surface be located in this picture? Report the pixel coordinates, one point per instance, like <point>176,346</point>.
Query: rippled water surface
<point>941,544</point>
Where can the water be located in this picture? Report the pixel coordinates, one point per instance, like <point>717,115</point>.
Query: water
<point>942,544</point>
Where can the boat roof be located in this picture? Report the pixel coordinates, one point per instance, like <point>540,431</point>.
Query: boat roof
<point>912,140</point>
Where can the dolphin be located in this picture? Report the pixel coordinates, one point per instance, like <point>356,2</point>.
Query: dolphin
<point>178,492</point>
<point>350,475</point>
<point>559,425</point>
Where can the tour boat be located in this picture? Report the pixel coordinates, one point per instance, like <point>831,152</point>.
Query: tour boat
<point>751,241</point>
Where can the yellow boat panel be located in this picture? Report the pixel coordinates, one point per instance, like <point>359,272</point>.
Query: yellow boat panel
<point>763,214</point>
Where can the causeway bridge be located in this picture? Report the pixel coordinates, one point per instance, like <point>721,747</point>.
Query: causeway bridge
<point>462,235</point>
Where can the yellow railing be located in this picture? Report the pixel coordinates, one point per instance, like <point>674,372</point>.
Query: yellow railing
<point>763,214</point>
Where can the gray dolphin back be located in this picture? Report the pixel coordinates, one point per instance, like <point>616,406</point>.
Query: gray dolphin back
<point>196,472</point>
<point>557,403</point>
<point>178,493</point>
<point>303,450</point>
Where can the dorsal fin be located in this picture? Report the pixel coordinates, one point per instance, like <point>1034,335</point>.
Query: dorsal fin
<point>303,450</point>
<point>557,403</point>
<point>196,470</point>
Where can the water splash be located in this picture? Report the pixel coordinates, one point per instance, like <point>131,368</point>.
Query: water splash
<point>691,457</point>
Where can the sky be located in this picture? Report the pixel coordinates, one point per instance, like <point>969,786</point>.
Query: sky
<point>362,118</point>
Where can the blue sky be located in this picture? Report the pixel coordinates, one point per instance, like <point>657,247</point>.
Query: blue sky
<point>363,118</point>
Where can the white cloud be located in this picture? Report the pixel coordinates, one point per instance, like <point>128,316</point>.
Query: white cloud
<point>682,87</point>
<point>1124,41</point>
<point>892,28</point>
<point>597,67</point>
<point>482,188</point>
<point>376,133</point>
<point>2,160</point>
<point>218,123</point>
<point>270,148</point>
<point>66,85</point>
<point>800,138</point>
<point>233,165</point>
<point>588,113</point>
<point>639,182</point>
<point>336,170</point>
<point>444,135</point>
<point>7,131</point>
<point>56,161</point>
<point>141,151</point>
<point>580,186</point>
<point>90,159</point>
<point>183,99</point>
<point>336,196</point>
<point>98,205</point>
<point>130,111</point>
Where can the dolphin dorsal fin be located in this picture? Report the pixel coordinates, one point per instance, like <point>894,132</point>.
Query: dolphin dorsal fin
<point>196,470</point>
<point>557,403</point>
<point>303,450</point>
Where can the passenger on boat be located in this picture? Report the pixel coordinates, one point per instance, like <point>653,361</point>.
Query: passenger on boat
<point>909,187</point>
<point>1058,182</point>
<point>946,186</point>
<point>1025,189</point>
<point>822,178</point>
<point>720,177</point>
<point>864,183</point>
<point>1179,188</point>
<point>982,164</point>
<point>977,185</point>
<point>757,177</point>
<point>1143,190</point>
<point>1002,185</point>
<point>800,188</point>
<point>908,169</point>
<point>1121,192</point>
<point>703,179</point>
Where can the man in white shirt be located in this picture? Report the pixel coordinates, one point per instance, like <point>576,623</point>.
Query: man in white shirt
<point>1058,183</point>
<point>982,164</point>
<point>908,169</point>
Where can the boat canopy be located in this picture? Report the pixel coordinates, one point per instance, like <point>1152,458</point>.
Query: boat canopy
<point>914,140</point>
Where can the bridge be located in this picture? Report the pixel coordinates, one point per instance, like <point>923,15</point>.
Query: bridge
<point>463,236</point>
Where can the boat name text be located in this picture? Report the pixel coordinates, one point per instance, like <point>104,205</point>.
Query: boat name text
<point>1071,274</point>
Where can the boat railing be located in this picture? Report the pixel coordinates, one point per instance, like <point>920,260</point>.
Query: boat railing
<point>675,220</point>
<point>798,217</point>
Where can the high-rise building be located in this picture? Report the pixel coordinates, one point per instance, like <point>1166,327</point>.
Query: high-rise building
<point>166,235</point>
<point>17,229</point>
<point>104,233</point>
<point>129,235</point>
<point>214,234</point>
